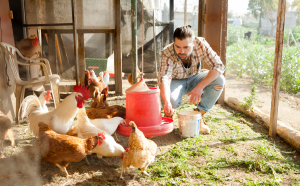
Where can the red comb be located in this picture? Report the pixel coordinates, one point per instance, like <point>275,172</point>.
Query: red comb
<point>83,90</point>
<point>36,39</point>
<point>49,92</point>
<point>102,135</point>
<point>127,149</point>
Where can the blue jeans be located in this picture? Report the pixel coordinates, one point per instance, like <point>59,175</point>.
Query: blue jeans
<point>210,95</point>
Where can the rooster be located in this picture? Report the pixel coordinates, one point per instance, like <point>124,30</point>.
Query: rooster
<point>87,129</point>
<point>5,129</point>
<point>43,98</point>
<point>141,151</point>
<point>60,119</point>
<point>63,149</point>
<point>29,46</point>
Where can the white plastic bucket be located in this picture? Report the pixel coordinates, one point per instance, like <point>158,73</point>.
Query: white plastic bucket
<point>189,123</point>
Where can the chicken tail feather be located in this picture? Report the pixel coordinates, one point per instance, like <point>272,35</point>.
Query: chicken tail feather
<point>28,105</point>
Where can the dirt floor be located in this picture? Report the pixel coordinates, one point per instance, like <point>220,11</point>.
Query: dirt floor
<point>289,105</point>
<point>23,164</point>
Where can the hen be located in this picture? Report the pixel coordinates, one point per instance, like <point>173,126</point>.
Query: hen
<point>60,119</point>
<point>63,149</point>
<point>95,86</point>
<point>29,46</point>
<point>87,129</point>
<point>140,74</point>
<point>5,129</point>
<point>100,108</point>
<point>141,151</point>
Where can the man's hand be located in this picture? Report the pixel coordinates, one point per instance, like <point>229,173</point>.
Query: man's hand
<point>169,111</point>
<point>196,94</point>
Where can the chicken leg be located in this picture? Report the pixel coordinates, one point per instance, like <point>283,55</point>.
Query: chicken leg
<point>63,169</point>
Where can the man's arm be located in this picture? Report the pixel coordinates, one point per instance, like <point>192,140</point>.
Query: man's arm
<point>196,93</point>
<point>165,95</point>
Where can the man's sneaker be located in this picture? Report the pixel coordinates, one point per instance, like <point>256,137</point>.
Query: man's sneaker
<point>204,129</point>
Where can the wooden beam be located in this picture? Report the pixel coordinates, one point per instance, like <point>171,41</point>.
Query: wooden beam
<point>84,30</point>
<point>66,62</point>
<point>213,25</point>
<point>221,99</point>
<point>277,67</point>
<point>201,18</point>
<point>59,56</point>
<point>75,39</point>
<point>108,43</point>
<point>134,54</point>
<point>171,20</point>
<point>118,49</point>
<point>81,56</point>
<point>52,51</point>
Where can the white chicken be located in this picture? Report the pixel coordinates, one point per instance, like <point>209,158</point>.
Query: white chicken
<point>42,99</point>
<point>106,79</point>
<point>60,119</point>
<point>108,125</point>
<point>87,129</point>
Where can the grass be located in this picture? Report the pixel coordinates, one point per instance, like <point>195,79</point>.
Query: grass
<point>233,154</point>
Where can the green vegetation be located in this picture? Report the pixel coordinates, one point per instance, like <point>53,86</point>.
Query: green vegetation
<point>233,154</point>
<point>250,100</point>
<point>252,58</point>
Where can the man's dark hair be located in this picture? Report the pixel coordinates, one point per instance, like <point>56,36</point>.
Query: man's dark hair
<point>184,32</point>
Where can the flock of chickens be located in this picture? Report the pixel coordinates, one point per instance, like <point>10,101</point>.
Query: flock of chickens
<point>63,141</point>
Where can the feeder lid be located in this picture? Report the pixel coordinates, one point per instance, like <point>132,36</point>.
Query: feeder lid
<point>138,87</point>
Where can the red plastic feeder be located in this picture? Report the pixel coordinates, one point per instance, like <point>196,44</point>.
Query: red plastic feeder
<point>143,107</point>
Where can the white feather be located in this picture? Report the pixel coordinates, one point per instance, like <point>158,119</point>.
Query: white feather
<point>108,125</point>
<point>86,129</point>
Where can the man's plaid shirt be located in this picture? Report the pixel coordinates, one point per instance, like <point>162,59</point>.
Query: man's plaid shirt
<point>171,67</point>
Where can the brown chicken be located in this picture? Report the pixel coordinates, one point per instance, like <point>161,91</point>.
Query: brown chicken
<point>29,46</point>
<point>5,129</point>
<point>95,86</point>
<point>86,78</point>
<point>100,109</point>
<point>63,149</point>
<point>141,151</point>
<point>140,74</point>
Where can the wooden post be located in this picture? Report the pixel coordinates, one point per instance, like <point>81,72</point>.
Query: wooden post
<point>75,39</point>
<point>81,56</point>
<point>171,20</point>
<point>134,54</point>
<point>185,10</point>
<point>221,99</point>
<point>277,67</point>
<point>213,25</point>
<point>118,50</point>
<point>201,18</point>
<point>154,43</point>
<point>59,56</point>
<point>66,62</point>
<point>52,51</point>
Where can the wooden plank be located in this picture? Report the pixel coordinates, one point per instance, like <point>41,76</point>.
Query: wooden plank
<point>108,44</point>
<point>81,54</point>
<point>52,51</point>
<point>171,20</point>
<point>66,63</point>
<point>277,67</point>
<point>59,56</point>
<point>213,25</point>
<point>75,39</point>
<point>134,53</point>
<point>221,99</point>
<point>118,49</point>
<point>85,30</point>
<point>201,18</point>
